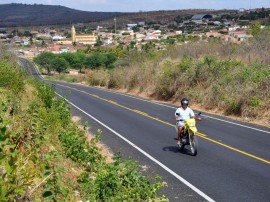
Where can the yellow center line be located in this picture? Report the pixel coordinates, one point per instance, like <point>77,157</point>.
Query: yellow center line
<point>200,134</point>
<point>164,122</point>
<point>237,150</point>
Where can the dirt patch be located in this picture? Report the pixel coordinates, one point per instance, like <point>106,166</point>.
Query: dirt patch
<point>73,72</point>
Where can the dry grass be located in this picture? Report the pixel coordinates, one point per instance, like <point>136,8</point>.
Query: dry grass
<point>231,78</point>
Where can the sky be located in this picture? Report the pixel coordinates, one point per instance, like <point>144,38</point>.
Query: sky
<point>147,5</point>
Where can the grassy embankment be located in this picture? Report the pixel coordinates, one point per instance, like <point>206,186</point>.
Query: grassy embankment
<point>230,79</point>
<point>44,156</point>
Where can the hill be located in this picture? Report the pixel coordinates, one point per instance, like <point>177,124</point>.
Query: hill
<point>34,15</point>
<point>162,16</point>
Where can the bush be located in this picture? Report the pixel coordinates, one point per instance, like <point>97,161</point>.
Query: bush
<point>11,77</point>
<point>46,93</point>
<point>164,81</point>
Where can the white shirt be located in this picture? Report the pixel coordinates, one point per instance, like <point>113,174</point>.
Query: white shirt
<point>184,114</point>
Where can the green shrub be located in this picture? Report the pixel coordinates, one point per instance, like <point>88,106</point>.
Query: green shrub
<point>165,78</point>
<point>45,93</point>
<point>254,102</point>
<point>121,180</point>
<point>21,160</point>
<point>234,107</point>
<point>11,77</point>
<point>185,64</point>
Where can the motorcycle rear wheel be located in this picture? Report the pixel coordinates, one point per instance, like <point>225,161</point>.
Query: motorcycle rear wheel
<point>194,145</point>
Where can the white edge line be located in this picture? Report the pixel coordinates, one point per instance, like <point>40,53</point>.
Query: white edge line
<point>146,154</point>
<point>237,124</point>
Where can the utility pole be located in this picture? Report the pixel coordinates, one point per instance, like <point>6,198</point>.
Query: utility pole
<point>115,25</point>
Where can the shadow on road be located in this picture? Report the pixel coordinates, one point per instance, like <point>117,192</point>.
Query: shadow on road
<point>176,149</point>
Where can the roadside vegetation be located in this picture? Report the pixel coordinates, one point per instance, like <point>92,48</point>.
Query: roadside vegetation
<point>44,156</point>
<point>230,78</point>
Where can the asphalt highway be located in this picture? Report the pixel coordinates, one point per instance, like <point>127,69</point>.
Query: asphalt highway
<point>233,160</point>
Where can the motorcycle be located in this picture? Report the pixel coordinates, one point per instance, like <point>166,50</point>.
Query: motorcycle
<point>188,135</point>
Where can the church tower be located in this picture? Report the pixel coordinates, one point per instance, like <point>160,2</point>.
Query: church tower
<point>73,34</point>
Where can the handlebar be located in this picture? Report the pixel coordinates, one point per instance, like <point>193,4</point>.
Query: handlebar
<point>196,118</point>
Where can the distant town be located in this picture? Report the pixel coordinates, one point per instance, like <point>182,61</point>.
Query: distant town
<point>224,27</point>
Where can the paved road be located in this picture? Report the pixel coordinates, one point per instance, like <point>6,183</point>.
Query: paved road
<point>233,161</point>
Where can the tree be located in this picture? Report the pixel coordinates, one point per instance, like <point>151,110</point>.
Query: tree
<point>110,59</point>
<point>244,23</point>
<point>45,60</point>
<point>10,36</point>
<point>255,29</point>
<point>98,42</point>
<point>148,46</point>
<point>95,60</point>
<point>43,44</point>
<point>69,57</point>
<point>171,41</point>
<point>31,40</point>
<point>132,44</point>
<point>79,59</point>
<point>88,49</point>
<point>59,64</point>
<point>227,16</point>
<point>163,31</point>
<point>75,60</point>
<point>27,33</point>
<point>20,34</point>
<point>136,29</point>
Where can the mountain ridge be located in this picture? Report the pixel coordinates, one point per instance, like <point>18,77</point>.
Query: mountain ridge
<point>14,15</point>
<point>37,14</point>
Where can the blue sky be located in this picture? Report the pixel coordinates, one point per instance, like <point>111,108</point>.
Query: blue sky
<point>147,5</point>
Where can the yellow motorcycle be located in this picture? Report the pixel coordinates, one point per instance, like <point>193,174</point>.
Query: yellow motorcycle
<point>188,135</point>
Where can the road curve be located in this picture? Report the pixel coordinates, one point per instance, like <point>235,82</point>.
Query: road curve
<point>233,161</point>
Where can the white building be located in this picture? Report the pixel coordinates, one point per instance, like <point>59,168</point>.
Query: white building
<point>158,32</point>
<point>141,23</point>
<point>129,26</point>
<point>151,37</point>
<point>234,28</point>
<point>3,35</point>
<point>57,38</point>
<point>179,32</point>
<point>107,42</point>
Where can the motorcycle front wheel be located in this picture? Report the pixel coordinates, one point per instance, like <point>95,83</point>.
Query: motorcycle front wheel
<point>193,145</point>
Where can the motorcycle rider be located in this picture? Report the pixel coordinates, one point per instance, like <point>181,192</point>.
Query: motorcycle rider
<point>181,114</point>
